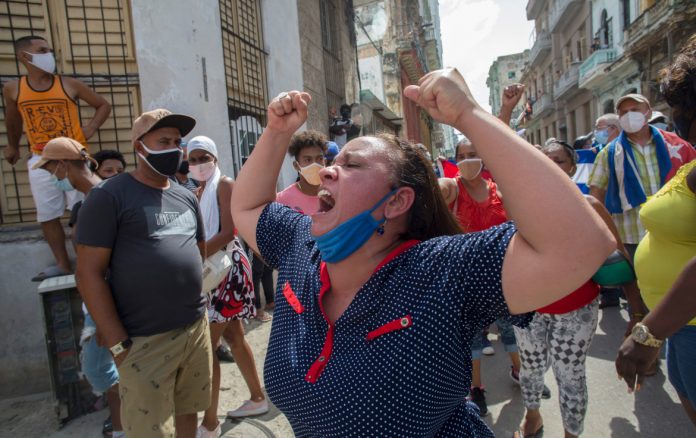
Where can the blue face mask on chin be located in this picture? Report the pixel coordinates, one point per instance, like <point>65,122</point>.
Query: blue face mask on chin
<point>63,184</point>
<point>345,239</point>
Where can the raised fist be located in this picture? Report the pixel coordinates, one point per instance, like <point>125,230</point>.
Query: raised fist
<point>512,94</point>
<point>288,111</point>
<point>444,95</point>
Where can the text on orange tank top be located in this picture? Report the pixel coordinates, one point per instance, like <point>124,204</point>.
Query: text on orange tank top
<point>48,114</point>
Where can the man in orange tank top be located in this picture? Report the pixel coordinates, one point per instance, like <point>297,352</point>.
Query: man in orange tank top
<point>44,106</point>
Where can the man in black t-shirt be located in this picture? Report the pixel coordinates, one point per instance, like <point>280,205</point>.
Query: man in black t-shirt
<point>147,233</point>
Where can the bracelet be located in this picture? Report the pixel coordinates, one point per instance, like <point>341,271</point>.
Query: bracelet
<point>637,316</point>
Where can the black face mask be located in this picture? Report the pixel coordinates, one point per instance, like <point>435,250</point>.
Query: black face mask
<point>184,167</point>
<point>166,162</point>
<point>682,127</point>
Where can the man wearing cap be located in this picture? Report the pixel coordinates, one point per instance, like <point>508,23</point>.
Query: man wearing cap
<point>635,165</point>
<point>68,161</point>
<point>146,233</point>
<point>44,106</point>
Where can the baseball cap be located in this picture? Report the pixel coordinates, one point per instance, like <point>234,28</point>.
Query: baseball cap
<point>63,148</point>
<point>161,118</point>
<point>657,116</point>
<point>633,96</point>
<point>331,150</point>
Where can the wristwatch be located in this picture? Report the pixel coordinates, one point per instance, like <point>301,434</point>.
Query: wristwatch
<point>641,334</point>
<point>120,347</point>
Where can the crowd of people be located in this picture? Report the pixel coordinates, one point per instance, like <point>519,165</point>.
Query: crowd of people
<point>388,277</point>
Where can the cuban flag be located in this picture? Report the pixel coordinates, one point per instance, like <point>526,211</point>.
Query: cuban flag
<point>585,162</point>
<point>446,169</point>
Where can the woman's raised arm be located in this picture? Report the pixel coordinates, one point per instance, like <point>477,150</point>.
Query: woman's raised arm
<point>256,184</point>
<point>561,241</point>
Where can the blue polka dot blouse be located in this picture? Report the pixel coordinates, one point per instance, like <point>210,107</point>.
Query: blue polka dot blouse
<point>398,361</point>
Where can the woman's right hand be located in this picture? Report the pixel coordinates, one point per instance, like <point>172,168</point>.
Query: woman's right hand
<point>288,111</point>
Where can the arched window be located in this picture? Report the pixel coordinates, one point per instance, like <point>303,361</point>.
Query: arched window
<point>626,8</point>
<point>604,30</point>
<point>608,107</point>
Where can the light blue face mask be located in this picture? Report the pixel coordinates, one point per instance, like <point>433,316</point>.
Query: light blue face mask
<point>601,136</point>
<point>346,238</point>
<point>63,184</point>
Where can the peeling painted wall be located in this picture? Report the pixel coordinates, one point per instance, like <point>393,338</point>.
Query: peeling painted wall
<point>174,40</point>
<point>281,34</point>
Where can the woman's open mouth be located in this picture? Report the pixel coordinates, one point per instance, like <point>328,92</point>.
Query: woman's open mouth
<point>326,201</point>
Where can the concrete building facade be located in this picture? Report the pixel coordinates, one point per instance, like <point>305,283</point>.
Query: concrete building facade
<point>607,73</point>
<point>221,62</point>
<point>587,53</point>
<point>398,42</point>
<point>560,108</point>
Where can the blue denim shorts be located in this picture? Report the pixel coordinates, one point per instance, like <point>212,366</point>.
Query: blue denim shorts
<point>97,363</point>
<point>507,335</point>
<point>681,362</point>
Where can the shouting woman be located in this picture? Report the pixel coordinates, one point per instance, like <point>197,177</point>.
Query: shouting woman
<point>379,295</point>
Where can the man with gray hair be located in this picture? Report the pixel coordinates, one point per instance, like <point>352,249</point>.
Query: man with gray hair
<point>607,128</point>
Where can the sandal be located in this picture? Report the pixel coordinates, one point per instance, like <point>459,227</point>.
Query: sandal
<point>520,433</point>
<point>108,427</point>
<point>50,272</point>
<point>264,318</point>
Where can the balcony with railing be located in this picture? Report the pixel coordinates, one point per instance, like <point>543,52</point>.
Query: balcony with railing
<point>543,105</point>
<point>540,49</point>
<point>646,24</point>
<point>534,7</point>
<point>592,68</point>
<point>568,82</point>
<point>562,12</point>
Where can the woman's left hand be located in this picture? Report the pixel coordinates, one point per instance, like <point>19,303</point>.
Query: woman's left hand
<point>444,94</point>
<point>633,361</point>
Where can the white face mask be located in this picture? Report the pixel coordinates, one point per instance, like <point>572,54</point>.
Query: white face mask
<point>470,168</point>
<point>632,121</point>
<point>202,172</point>
<point>44,61</point>
<point>311,173</point>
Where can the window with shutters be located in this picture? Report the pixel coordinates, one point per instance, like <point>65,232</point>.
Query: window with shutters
<point>333,69</point>
<point>92,40</point>
<point>245,73</point>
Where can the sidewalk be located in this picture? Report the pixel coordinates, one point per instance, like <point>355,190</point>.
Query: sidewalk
<point>654,412</point>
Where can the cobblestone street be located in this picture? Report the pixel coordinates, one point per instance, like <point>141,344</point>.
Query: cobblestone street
<point>654,412</point>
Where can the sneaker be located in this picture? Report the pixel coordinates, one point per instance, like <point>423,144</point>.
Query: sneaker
<point>478,397</point>
<point>515,375</point>
<point>546,393</point>
<point>487,346</point>
<point>249,408</point>
<point>107,427</point>
<point>224,354</point>
<point>203,432</point>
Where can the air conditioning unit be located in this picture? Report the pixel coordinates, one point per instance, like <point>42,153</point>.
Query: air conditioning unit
<point>63,321</point>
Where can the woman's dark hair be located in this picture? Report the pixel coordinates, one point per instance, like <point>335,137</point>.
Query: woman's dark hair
<point>556,145</point>
<point>581,141</point>
<point>307,139</point>
<point>107,154</point>
<point>429,216</point>
<point>678,81</point>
